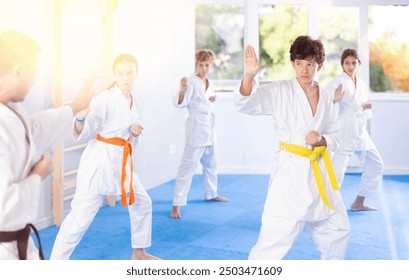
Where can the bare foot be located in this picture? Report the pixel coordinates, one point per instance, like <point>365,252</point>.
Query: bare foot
<point>364,208</point>
<point>140,254</point>
<point>220,199</point>
<point>175,213</point>
<point>358,205</point>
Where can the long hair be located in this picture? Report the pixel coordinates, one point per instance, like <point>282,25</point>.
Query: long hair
<point>349,52</point>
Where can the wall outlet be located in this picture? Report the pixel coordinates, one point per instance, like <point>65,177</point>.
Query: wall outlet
<point>172,149</point>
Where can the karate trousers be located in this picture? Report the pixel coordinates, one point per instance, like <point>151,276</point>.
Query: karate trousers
<point>85,206</point>
<point>372,169</point>
<point>330,236</point>
<point>190,161</point>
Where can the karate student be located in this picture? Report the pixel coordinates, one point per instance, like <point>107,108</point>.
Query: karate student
<point>354,111</point>
<point>303,192</point>
<point>198,96</point>
<point>22,137</point>
<point>106,166</point>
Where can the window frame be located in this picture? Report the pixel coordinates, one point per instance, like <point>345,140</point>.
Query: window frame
<point>251,29</point>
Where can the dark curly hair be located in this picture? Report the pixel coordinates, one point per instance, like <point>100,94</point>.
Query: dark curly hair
<point>305,48</point>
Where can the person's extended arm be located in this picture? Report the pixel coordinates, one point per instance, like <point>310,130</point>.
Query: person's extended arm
<point>80,121</point>
<point>338,93</point>
<point>183,89</point>
<point>249,97</point>
<point>251,65</point>
<point>54,125</point>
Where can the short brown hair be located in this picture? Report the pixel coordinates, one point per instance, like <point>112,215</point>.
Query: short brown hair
<point>204,54</point>
<point>349,52</point>
<point>304,47</point>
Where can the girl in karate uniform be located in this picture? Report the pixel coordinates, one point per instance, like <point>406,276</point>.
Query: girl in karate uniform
<point>354,111</point>
<point>106,166</point>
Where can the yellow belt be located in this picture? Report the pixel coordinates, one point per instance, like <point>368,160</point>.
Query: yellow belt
<point>313,156</point>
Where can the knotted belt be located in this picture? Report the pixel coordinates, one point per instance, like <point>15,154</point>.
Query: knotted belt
<point>313,156</point>
<point>21,236</point>
<point>127,152</point>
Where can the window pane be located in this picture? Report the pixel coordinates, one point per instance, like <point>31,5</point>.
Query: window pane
<point>279,25</point>
<point>389,48</point>
<point>338,30</point>
<point>220,29</point>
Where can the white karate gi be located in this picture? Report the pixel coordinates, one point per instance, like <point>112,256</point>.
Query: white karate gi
<point>354,136</point>
<point>99,175</point>
<point>21,138</point>
<point>199,142</point>
<point>293,201</point>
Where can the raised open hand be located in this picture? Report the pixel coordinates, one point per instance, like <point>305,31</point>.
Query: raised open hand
<point>339,93</point>
<point>251,63</point>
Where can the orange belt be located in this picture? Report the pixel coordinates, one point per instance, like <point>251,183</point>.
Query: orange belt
<point>127,152</point>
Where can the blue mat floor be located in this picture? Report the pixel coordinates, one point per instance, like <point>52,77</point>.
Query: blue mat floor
<point>227,231</point>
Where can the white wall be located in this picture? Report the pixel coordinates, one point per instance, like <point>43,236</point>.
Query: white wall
<point>160,34</point>
<point>389,130</point>
<point>246,144</point>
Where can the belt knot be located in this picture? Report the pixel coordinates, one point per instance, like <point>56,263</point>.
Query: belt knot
<point>127,152</point>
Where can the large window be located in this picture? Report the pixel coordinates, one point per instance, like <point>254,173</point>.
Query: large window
<point>379,32</point>
<point>220,28</point>
<point>338,30</point>
<point>389,48</point>
<point>279,25</point>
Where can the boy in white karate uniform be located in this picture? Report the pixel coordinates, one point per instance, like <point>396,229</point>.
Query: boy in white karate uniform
<point>303,192</point>
<point>197,95</point>
<point>22,136</point>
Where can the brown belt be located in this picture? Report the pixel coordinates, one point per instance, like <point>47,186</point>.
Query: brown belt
<point>21,236</point>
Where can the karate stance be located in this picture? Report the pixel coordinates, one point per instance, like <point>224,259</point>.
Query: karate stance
<point>303,192</point>
<point>22,138</point>
<point>106,166</point>
<point>351,95</point>
<point>198,96</point>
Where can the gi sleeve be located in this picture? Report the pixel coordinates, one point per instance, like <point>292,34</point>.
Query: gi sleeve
<point>92,123</point>
<point>188,95</point>
<point>331,128</point>
<point>51,126</point>
<point>331,87</point>
<point>257,103</point>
